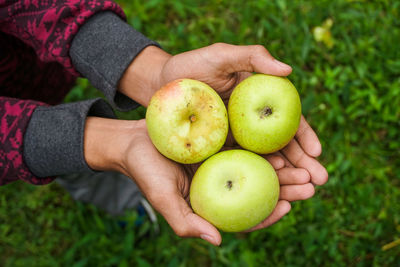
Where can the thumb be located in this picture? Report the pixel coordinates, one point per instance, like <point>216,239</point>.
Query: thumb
<point>251,58</point>
<point>184,222</point>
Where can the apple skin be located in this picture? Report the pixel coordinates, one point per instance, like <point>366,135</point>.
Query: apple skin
<point>234,190</point>
<point>264,113</point>
<point>187,121</point>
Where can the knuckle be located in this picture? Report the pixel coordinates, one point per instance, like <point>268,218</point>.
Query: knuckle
<point>259,49</point>
<point>298,160</point>
<point>181,231</point>
<point>304,177</point>
<point>219,45</point>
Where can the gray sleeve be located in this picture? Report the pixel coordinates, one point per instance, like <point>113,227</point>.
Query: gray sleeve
<point>102,50</point>
<point>53,141</point>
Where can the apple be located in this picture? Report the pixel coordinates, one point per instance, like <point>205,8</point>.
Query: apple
<point>187,121</point>
<point>234,190</point>
<point>264,113</point>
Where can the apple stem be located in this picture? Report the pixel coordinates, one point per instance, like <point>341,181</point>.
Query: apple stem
<point>229,184</point>
<point>265,112</point>
<point>192,118</point>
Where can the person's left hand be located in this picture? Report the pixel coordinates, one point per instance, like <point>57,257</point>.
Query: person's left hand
<point>222,66</point>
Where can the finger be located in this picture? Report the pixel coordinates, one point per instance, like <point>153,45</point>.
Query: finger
<point>296,155</point>
<point>290,176</point>
<point>182,219</point>
<point>308,139</point>
<point>251,58</point>
<point>276,161</point>
<point>282,208</point>
<point>287,162</point>
<point>296,192</point>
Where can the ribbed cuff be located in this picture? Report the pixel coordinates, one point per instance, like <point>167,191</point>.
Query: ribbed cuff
<point>103,49</point>
<point>53,141</point>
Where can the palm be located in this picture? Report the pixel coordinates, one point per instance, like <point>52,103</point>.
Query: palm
<point>160,175</point>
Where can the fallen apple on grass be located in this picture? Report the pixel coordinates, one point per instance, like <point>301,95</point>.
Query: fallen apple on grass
<point>264,113</point>
<point>187,121</point>
<point>234,190</point>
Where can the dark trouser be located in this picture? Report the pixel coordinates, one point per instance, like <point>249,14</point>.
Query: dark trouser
<point>109,191</point>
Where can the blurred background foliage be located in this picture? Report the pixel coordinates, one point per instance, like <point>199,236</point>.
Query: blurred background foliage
<point>346,66</point>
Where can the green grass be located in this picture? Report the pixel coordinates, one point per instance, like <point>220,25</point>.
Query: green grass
<point>351,96</point>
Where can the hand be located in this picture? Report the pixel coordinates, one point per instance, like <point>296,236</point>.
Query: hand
<point>223,66</point>
<point>125,146</point>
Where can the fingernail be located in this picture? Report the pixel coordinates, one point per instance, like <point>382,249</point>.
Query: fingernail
<point>281,64</point>
<point>207,238</point>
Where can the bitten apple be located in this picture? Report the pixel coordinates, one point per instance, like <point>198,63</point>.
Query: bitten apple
<point>234,190</point>
<point>264,113</point>
<point>187,121</point>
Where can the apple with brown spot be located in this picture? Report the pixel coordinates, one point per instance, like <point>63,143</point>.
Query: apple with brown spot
<point>187,121</point>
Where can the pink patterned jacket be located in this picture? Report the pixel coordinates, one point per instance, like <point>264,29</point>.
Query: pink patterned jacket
<point>35,68</point>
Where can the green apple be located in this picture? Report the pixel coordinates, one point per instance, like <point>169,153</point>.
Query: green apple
<point>234,190</point>
<point>264,113</point>
<point>187,121</point>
